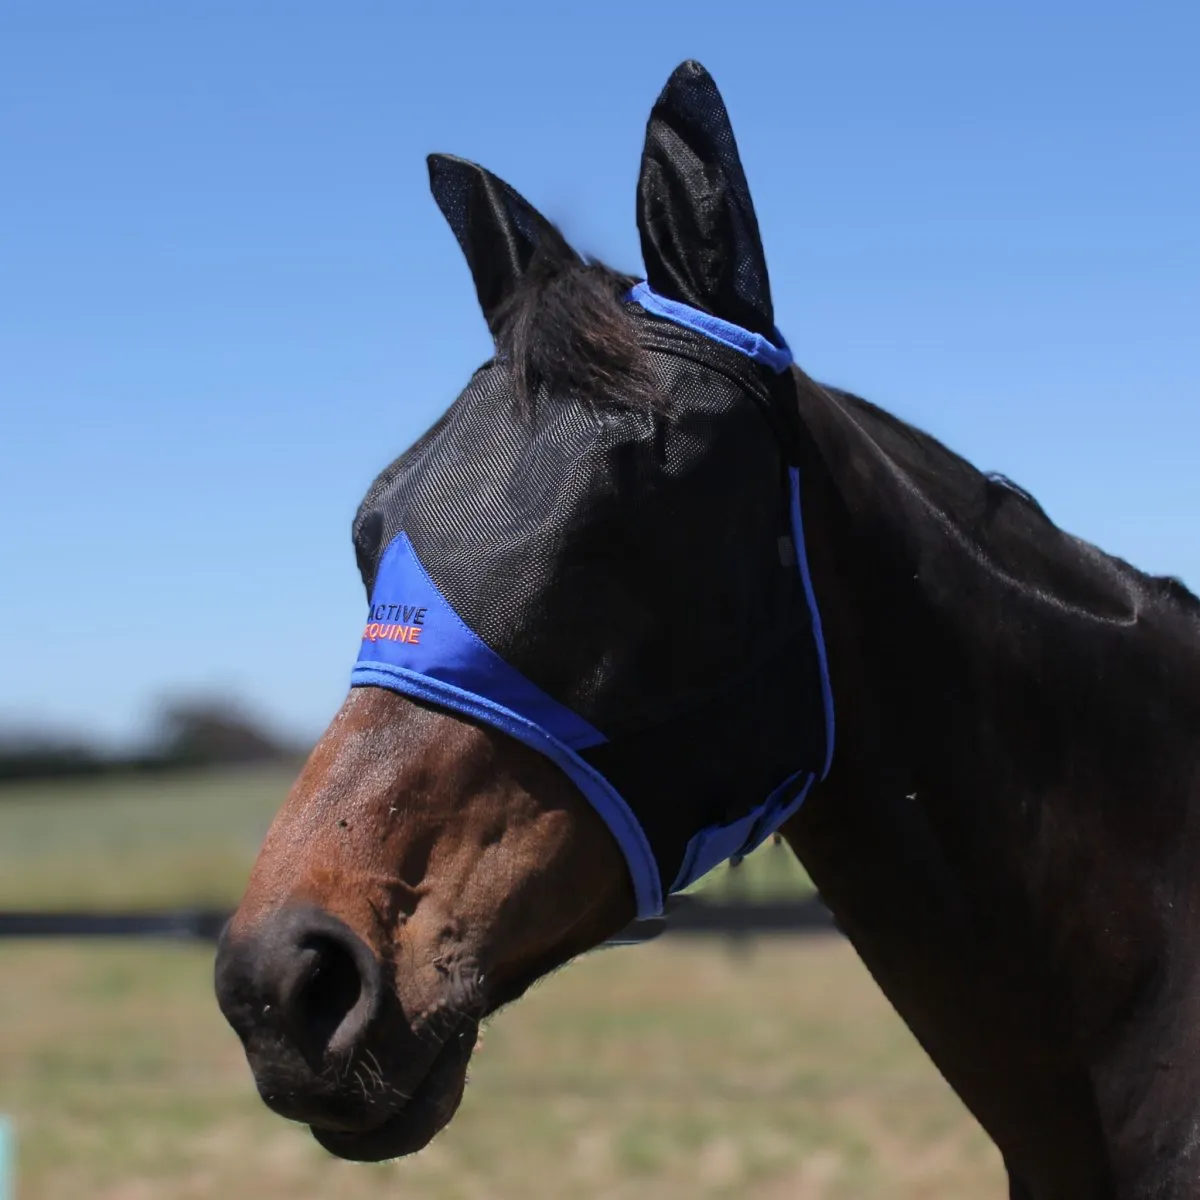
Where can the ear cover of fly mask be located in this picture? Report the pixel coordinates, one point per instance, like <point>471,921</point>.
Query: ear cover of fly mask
<point>699,232</point>
<point>498,230</point>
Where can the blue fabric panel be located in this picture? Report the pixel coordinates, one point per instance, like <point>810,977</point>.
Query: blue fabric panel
<point>818,634</point>
<point>775,355</point>
<point>603,797</point>
<point>411,625</point>
<point>712,846</point>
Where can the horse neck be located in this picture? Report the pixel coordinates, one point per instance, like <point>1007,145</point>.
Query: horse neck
<point>1010,823</point>
<point>982,650</point>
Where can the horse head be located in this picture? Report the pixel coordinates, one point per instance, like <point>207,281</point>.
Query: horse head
<point>591,668</point>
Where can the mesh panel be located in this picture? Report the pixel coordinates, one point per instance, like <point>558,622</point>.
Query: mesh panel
<point>578,543</point>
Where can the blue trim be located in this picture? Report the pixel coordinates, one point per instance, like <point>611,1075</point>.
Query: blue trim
<point>604,798</point>
<point>406,603</point>
<point>775,355</point>
<point>818,634</point>
<point>717,843</point>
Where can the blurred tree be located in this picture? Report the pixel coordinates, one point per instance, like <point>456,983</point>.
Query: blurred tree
<point>203,732</point>
<point>26,754</point>
<point>187,732</point>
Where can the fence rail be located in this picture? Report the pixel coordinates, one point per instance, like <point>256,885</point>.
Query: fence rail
<point>686,915</point>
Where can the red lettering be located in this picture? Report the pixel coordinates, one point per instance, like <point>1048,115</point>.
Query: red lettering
<point>393,633</point>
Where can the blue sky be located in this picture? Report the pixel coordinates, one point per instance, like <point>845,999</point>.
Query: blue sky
<point>227,299</point>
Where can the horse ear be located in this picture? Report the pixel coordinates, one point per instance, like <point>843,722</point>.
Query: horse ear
<point>700,239</point>
<point>498,229</point>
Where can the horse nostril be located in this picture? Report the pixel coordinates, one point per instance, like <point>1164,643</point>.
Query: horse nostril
<point>326,991</point>
<point>306,975</point>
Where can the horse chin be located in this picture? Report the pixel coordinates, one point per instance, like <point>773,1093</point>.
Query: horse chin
<point>421,1117</point>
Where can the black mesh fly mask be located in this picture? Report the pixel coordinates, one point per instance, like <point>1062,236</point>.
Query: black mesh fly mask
<point>621,587</point>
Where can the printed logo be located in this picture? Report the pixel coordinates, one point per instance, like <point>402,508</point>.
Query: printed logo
<point>395,623</point>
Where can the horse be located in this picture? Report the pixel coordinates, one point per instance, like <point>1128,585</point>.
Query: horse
<point>647,594</point>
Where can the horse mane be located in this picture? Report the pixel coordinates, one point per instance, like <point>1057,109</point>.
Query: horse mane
<point>563,332</point>
<point>978,502</point>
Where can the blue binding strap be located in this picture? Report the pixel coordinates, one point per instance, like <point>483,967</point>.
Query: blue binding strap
<point>815,613</point>
<point>712,846</point>
<point>775,355</point>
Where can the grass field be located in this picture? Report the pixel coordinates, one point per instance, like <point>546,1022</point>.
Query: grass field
<point>668,1070</point>
<point>187,840</point>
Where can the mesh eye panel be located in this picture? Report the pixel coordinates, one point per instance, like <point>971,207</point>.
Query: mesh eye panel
<point>603,554</point>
